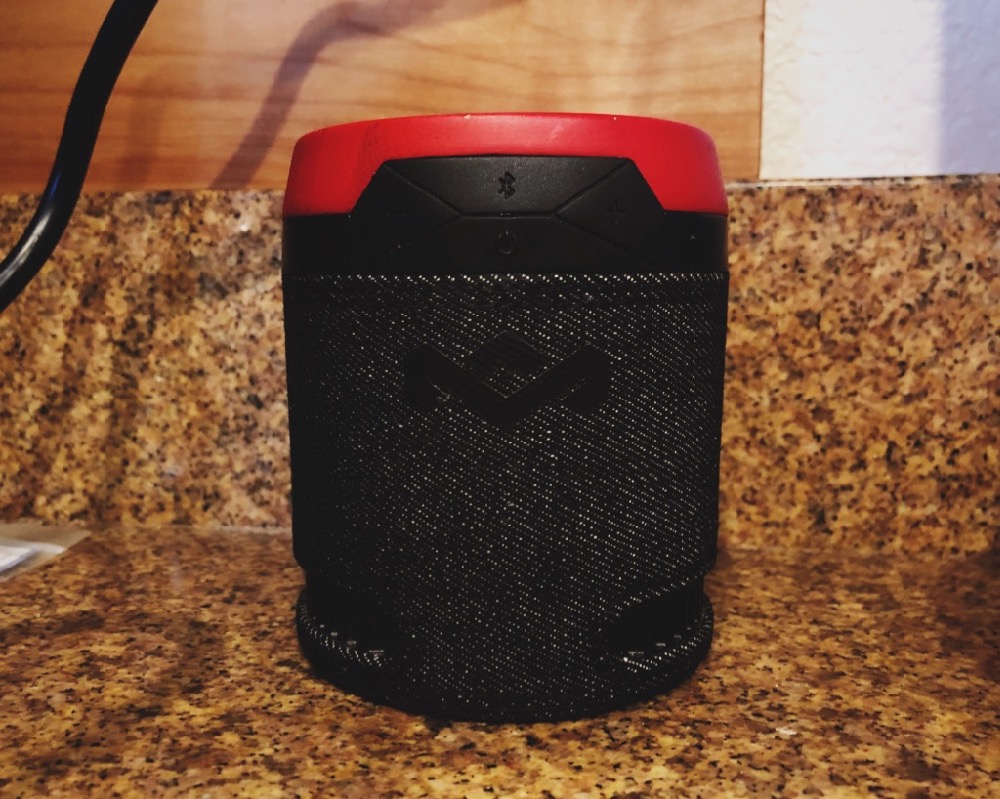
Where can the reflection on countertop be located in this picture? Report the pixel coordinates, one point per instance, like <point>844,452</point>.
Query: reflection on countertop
<point>164,661</point>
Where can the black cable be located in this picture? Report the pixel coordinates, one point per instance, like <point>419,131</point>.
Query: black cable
<point>114,41</point>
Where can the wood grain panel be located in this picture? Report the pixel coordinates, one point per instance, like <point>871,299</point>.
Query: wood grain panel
<point>216,93</point>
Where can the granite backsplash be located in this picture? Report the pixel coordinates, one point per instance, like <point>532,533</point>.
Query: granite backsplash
<point>144,368</point>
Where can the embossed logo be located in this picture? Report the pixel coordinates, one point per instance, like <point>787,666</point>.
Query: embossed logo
<point>581,381</point>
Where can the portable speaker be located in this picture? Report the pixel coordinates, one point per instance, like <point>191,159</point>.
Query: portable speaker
<point>505,341</point>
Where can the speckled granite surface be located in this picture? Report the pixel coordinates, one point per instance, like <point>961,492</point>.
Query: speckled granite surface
<point>163,662</point>
<point>863,383</point>
<point>144,367</point>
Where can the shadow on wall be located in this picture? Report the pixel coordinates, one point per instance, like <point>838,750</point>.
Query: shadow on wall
<point>969,139</point>
<point>144,125</point>
<point>339,22</point>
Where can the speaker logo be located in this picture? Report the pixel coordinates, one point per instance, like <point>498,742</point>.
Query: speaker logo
<point>581,381</point>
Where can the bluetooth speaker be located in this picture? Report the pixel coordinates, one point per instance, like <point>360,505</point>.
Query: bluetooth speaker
<point>505,337</point>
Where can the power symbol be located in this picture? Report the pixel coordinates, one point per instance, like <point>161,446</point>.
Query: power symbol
<point>506,243</point>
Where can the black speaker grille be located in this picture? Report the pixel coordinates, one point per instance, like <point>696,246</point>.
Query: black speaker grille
<point>495,476</point>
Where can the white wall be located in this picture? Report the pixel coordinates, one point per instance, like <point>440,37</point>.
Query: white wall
<point>861,88</point>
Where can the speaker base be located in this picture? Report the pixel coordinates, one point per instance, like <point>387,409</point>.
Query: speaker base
<point>392,678</point>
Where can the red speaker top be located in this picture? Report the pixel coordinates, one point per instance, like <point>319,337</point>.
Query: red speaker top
<point>332,166</point>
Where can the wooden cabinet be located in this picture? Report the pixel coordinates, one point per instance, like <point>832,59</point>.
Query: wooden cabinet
<point>217,91</point>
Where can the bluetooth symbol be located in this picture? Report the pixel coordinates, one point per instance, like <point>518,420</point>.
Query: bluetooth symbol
<point>507,185</point>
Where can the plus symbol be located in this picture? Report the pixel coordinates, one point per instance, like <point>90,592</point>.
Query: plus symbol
<point>616,212</point>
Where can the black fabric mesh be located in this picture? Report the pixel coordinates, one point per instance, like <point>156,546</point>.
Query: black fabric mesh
<point>477,570</point>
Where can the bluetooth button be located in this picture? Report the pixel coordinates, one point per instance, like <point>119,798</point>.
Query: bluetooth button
<point>506,184</point>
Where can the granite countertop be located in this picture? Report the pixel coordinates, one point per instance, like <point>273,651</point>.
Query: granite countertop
<point>144,372</point>
<point>150,661</point>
